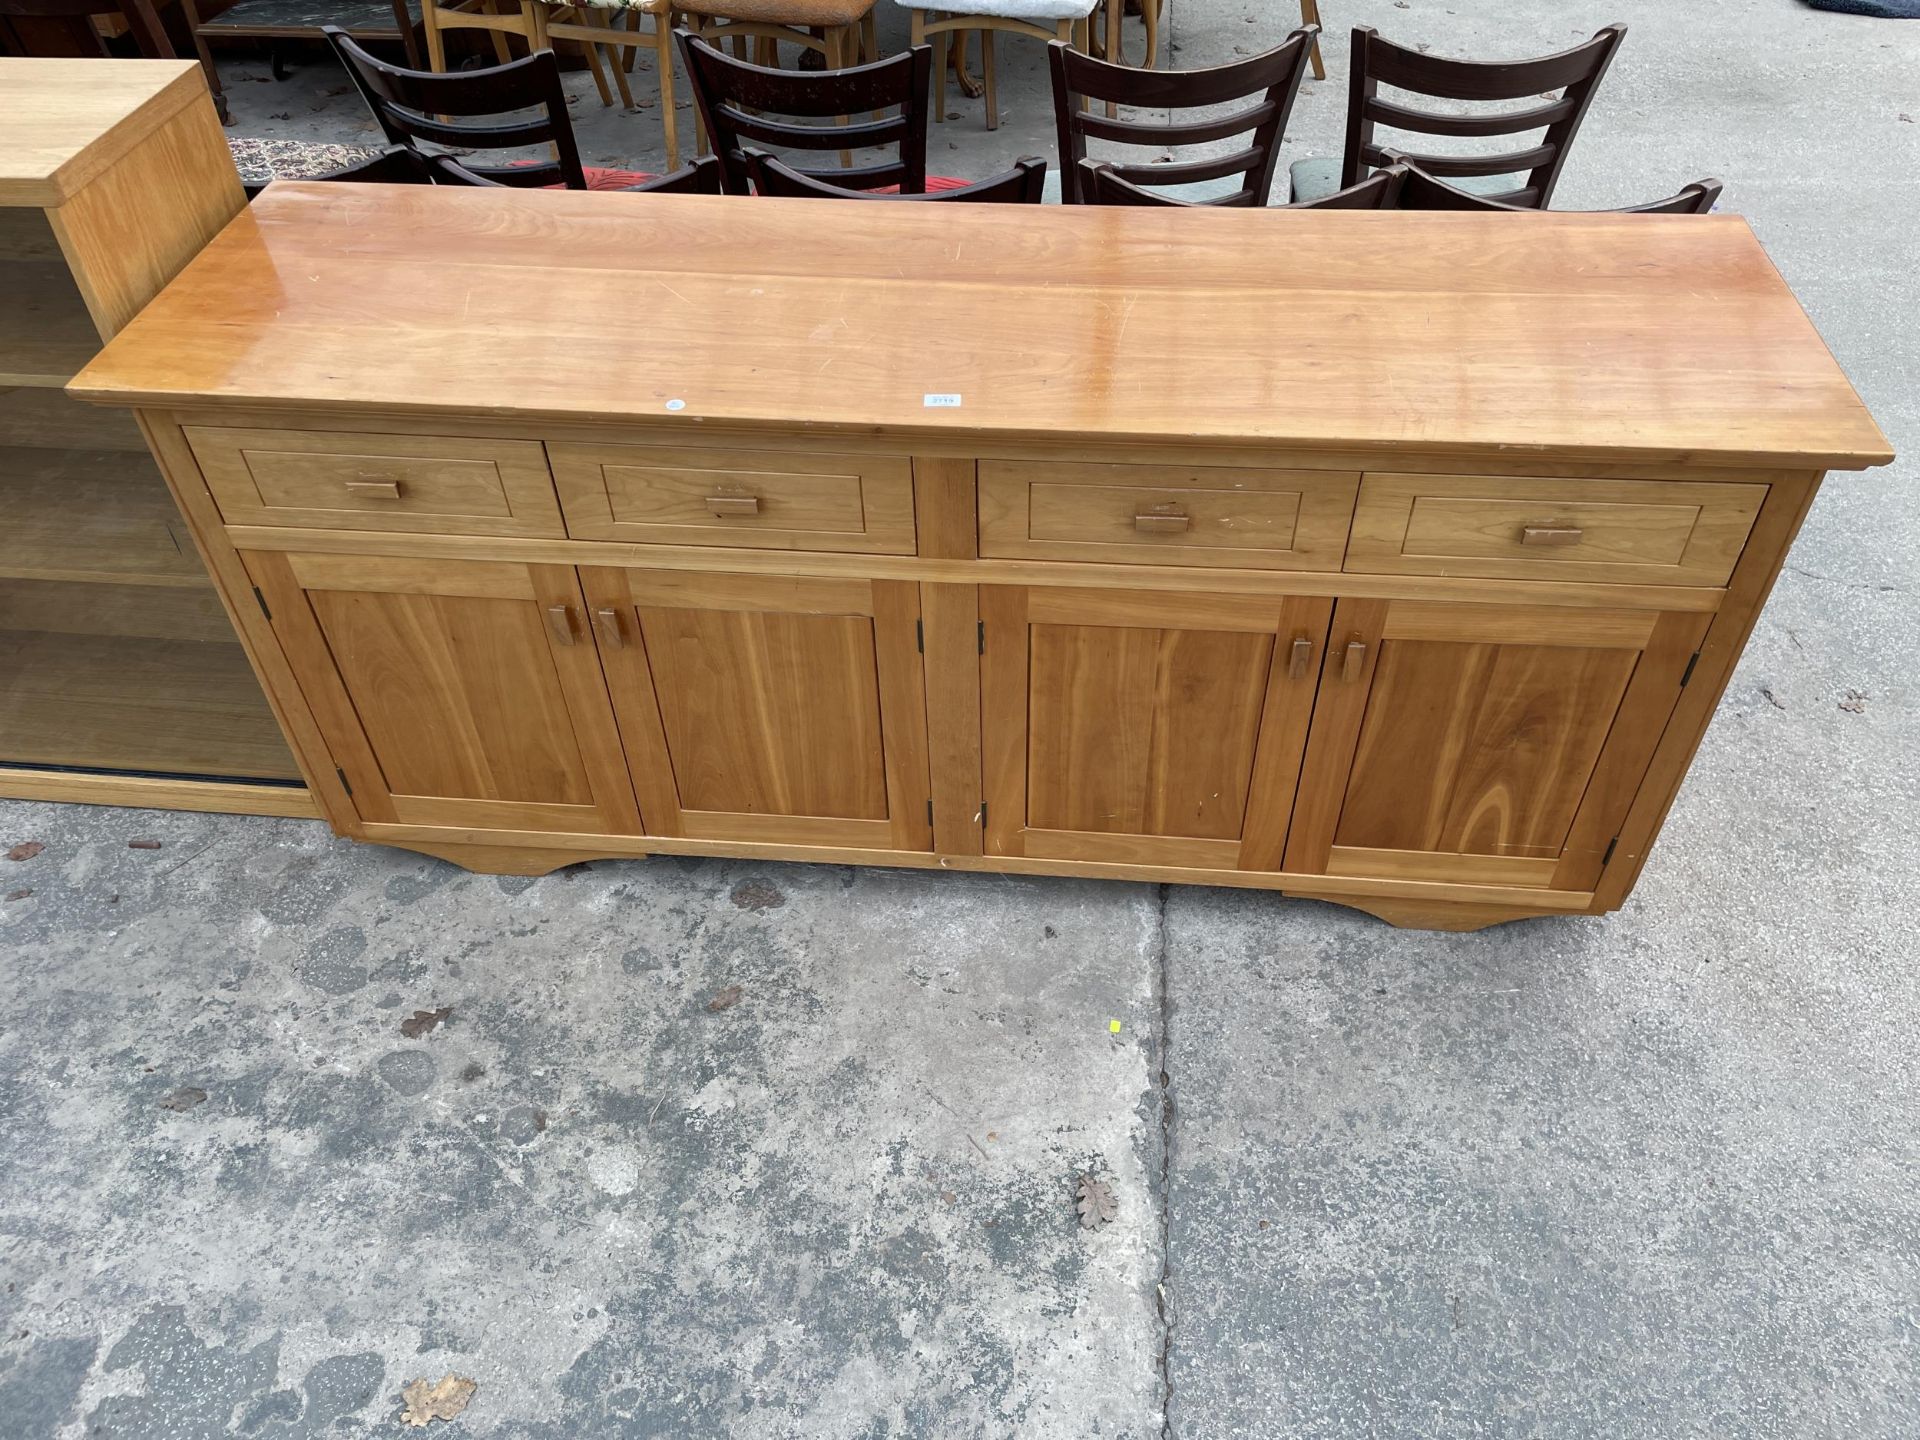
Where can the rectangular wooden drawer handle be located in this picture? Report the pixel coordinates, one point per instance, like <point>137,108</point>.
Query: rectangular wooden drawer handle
<point>560,622</point>
<point>728,505</point>
<point>606,621</point>
<point>375,489</point>
<point>1160,522</point>
<point>1550,535</point>
<point>1356,660</point>
<point>1302,658</point>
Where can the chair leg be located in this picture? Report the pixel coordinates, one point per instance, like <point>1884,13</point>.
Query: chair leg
<point>838,40</point>
<point>1310,15</point>
<point>1115,10</point>
<point>663,62</point>
<point>989,88</point>
<point>620,66</point>
<point>633,51</point>
<point>436,42</point>
<point>599,75</point>
<point>870,33</point>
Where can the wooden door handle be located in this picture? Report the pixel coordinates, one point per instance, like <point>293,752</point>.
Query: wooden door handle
<point>1161,522</point>
<point>375,489</point>
<point>729,505</point>
<point>1356,660</point>
<point>560,622</point>
<point>1550,534</point>
<point>1302,658</point>
<point>606,623</point>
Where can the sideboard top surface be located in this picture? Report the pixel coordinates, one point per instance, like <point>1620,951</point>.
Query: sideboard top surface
<point>67,120</point>
<point>1663,339</point>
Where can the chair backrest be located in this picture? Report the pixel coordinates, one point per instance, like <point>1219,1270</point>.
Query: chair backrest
<point>741,102</point>
<point>702,177</point>
<point>1099,185</point>
<point>1421,191</point>
<point>452,109</point>
<point>1022,185</point>
<point>1270,82</point>
<point>76,16</point>
<point>1575,73</point>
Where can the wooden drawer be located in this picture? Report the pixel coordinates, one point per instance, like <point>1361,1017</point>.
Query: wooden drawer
<point>1221,516</point>
<point>1667,532</point>
<point>341,480</point>
<point>757,499</point>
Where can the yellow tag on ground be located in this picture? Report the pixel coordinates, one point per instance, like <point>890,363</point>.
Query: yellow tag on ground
<point>1113,1027</point>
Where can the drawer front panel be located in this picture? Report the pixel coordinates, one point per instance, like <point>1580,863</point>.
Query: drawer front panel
<point>1510,527</point>
<point>758,499</point>
<point>1229,517</point>
<point>339,480</point>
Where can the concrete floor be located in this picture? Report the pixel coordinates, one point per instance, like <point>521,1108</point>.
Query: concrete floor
<point>1651,1175</point>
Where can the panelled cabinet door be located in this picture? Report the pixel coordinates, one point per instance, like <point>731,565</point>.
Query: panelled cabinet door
<point>1145,727</point>
<point>1483,744</point>
<point>459,693</point>
<point>768,709</point>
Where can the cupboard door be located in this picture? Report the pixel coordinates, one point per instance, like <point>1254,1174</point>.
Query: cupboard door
<point>461,693</point>
<point>1145,727</point>
<point>769,709</point>
<point>1483,744</point>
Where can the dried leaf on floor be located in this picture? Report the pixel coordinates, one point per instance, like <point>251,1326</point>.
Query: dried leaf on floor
<point>183,1099</point>
<point>25,850</point>
<point>22,893</point>
<point>143,844</point>
<point>725,999</point>
<point>1095,1201</point>
<point>422,1021</point>
<point>1855,703</point>
<point>443,1401</point>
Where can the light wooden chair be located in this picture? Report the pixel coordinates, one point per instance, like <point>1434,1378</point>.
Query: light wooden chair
<point>592,25</point>
<point>1067,21</point>
<point>584,23</point>
<point>841,32</point>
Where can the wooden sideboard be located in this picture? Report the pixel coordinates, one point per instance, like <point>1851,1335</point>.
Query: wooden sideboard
<point>1397,560</point>
<point>121,679</point>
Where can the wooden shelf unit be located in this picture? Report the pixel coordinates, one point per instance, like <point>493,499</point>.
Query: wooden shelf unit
<point>121,677</point>
<point>875,541</point>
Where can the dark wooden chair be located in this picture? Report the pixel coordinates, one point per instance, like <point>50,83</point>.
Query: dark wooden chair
<point>65,27</point>
<point>1574,73</point>
<point>472,110</point>
<point>1025,184</point>
<point>1099,185</point>
<point>1270,81</point>
<point>1421,191</point>
<point>702,177</point>
<point>739,102</point>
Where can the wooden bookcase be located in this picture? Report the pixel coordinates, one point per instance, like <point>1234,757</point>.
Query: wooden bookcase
<point>121,678</point>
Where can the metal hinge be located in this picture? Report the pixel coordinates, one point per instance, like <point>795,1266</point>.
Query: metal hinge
<point>345,783</point>
<point>263,602</point>
<point>1687,674</point>
<point>929,812</point>
<point>983,814</point>
<point>920,636</point>
<point>1609,855</point>
<point>983,636</point>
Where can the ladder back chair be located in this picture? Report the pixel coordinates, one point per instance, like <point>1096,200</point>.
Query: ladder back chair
<point>841,32</point>
<point>740,102</point>
<point>1099,185</point>
<point>1423,192</point>
<point>72,20</point>
<point>1025,184</point>
<point>1271,82</point>
<point>1574,73</point>
<point>474,110</point>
